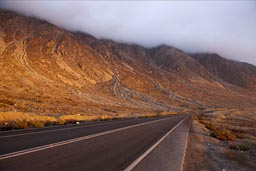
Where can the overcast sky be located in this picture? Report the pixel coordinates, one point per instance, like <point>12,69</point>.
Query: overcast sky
<point>227,28</point>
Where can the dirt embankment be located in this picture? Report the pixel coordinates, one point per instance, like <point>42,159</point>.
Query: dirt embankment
<point>207,152</point>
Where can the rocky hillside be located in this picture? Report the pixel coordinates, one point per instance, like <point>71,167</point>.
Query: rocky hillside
<point>237,73</point>
<point>48,70</point>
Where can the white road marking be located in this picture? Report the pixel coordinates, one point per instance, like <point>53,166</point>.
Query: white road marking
<point>139,159</point>
<point>186,144</point>
<point>40,148</point>
<point>62,129</point>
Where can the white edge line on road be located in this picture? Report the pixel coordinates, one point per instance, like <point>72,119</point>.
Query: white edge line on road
<point>186,144</point>
<point>61,129</point>
<point>40,148</point>
<point>139,159</point>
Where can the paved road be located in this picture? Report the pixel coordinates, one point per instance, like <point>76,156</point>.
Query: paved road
<point>111,145</point>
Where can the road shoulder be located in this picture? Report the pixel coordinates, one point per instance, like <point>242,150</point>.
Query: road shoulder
<point>205,153</point>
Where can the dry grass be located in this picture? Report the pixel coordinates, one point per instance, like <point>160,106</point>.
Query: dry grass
<point>7,101</point>
<point>234,127</point>
<point>219,133</point>
<point>148,115</point>
<point>16,116</point>
<point>66,119</point>
<point>166,113</point>
<point>239,146</point>
<point>223,135</point>
<point>20,120</point>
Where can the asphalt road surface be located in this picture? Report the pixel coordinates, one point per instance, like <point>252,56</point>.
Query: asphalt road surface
<point>134,144</point>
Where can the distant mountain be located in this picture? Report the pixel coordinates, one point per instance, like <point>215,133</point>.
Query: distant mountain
<point>175,60</point>
<point>49,70</point>
<point>237,73</point>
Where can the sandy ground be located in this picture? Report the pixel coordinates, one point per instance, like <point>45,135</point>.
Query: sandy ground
<point>205,153</point>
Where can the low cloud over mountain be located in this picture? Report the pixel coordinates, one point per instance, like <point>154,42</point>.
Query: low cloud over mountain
<point>227,28</point>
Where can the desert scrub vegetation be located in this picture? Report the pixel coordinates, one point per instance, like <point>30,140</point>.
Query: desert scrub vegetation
<point>223,135</point>
<point>148,115</point>
<point>19,120</point>
<point>219,133</point>
<point>239,146</point>
<point>165,113</point>
<point>69,119</point>
<point>7,101</point>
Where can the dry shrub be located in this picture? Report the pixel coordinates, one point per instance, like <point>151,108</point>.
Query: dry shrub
<point>220,134</point>
<point>148,115</point>
<point>16,125</point>
<point>36,124</point>
<point>19,120</point>
<point>69,119</point>
<point>241,135</point>
<point>18,116</point>
<point>210,126</point>
<point>240,147</point>
<point>244,147</point>
<point>166,113</point>
<point>223,135</point>
<point>7,101</point>
<point>105,117</point>
<point>207,124</point>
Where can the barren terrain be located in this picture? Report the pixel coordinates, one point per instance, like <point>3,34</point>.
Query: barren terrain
<point>206,152</point>
<point>51,76</point>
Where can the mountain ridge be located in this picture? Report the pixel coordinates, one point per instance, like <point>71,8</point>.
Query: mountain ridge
<point>50,70</point>
<point>238,73</point>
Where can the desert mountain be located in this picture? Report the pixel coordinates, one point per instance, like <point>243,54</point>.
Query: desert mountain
<point>234,72</point>
<point>48,70</point>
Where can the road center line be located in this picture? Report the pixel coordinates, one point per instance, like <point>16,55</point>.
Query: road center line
<point>139,159</point>
<point>40,148</point>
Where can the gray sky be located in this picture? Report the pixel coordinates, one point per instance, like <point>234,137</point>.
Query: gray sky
<point>224,27</point>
